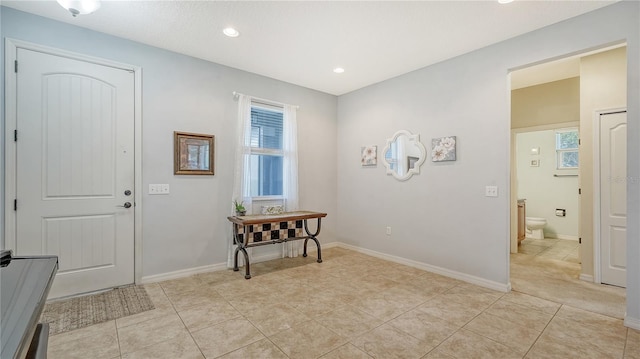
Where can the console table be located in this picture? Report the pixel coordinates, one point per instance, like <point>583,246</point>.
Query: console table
<point>258,230</point>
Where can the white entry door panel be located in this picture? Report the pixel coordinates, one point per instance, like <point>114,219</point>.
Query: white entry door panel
<point>75,160</point>
<point>613,198</point>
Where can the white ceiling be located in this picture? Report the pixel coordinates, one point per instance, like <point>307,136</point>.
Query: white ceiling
<point>300,42</point>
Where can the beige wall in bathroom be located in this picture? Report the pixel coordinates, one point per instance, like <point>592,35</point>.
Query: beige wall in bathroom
<point>603,85</point>
<point>545,104</point>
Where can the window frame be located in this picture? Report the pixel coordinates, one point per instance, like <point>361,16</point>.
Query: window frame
<point>262,151</point>
<point>561,151</point>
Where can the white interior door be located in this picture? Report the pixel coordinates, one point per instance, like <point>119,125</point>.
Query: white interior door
<point>613,198</point>
<point>75,169</point>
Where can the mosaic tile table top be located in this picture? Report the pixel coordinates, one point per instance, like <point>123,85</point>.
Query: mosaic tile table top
<point>266,218</point>
<point>261,228</point>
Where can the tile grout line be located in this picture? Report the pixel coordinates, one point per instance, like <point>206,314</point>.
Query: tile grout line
<point>182,321</point>
<point>470,320</point>
<point>542,332</point>
<point>118,338</point>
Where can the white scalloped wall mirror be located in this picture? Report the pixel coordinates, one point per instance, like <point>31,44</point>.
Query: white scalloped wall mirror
<point>403,155</point>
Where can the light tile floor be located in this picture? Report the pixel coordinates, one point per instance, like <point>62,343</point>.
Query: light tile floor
<point>350,306</point>
<point>551,248</point>
<point>550,269</point>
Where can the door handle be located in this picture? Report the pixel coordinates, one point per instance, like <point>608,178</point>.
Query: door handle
<point>126,205</point>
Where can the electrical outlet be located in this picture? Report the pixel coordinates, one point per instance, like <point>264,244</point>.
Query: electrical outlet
<point>388,231</point>
<point>491,191</point>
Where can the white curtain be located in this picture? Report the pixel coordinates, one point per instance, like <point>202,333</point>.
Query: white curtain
<point>290,167</point>
<point>242,173</point>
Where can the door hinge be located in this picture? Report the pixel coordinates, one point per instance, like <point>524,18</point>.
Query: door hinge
<point>15,204</point>
<point>579,143</point>
<point>15,135</point>
<point>579,190</point>
<point>15,66</point>
<point>580,240</point>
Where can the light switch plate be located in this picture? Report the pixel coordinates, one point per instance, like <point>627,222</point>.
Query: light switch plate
<point>159,188</point>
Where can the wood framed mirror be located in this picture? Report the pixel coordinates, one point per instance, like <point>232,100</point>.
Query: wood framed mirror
<point>193,154</point>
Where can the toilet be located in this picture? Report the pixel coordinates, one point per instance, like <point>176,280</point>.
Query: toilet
<point>535,227</point>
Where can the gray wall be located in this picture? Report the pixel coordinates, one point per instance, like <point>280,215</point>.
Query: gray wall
<point>188,228</point>
<point>442,217</point>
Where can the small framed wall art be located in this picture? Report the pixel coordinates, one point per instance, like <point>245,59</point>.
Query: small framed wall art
<point>193,154</point>
<point>443,149</point>
<point>369,156</point>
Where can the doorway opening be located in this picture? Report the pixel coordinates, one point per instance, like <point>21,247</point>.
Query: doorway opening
<point>554,187</point>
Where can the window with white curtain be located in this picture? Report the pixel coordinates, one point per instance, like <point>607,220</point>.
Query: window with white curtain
<point>267,153</point>
<point>266,168</point>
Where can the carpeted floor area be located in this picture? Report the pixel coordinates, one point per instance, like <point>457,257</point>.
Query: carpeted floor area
<point>80,312</point>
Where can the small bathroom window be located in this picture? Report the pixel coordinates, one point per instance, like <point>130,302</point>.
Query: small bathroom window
<point>567,141</point>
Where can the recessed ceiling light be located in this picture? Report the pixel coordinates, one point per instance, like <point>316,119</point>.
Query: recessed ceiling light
<point>505,1</point>
<point>231,32</point>
<point>338,70</point>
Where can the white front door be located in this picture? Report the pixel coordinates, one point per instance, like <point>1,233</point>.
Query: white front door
<point>613,198</point>
<point>75,169</point>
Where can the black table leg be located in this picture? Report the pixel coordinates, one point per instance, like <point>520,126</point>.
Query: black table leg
<point>312,236</point>
<point>240,247</point>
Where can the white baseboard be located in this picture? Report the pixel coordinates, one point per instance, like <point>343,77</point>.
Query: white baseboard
<point>312,249</point>
<point>434,269</point>
<point>633,323</point>
<point>586,277</point>
<point>204,269</point>
<point>183,273</point>
<point>567,236</point>
<point>266,257</point>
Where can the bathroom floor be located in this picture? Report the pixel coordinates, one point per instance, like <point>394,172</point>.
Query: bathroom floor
<point>355,306</point>
<point>551,248</point>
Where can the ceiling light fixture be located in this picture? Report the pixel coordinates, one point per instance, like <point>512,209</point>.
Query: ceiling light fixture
<point>505,1</point>
<point>80,7</point>
<point>231,32</point>
<point>338,70</point>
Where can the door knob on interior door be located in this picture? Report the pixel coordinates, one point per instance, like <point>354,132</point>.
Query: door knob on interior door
<point>126,205</point>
